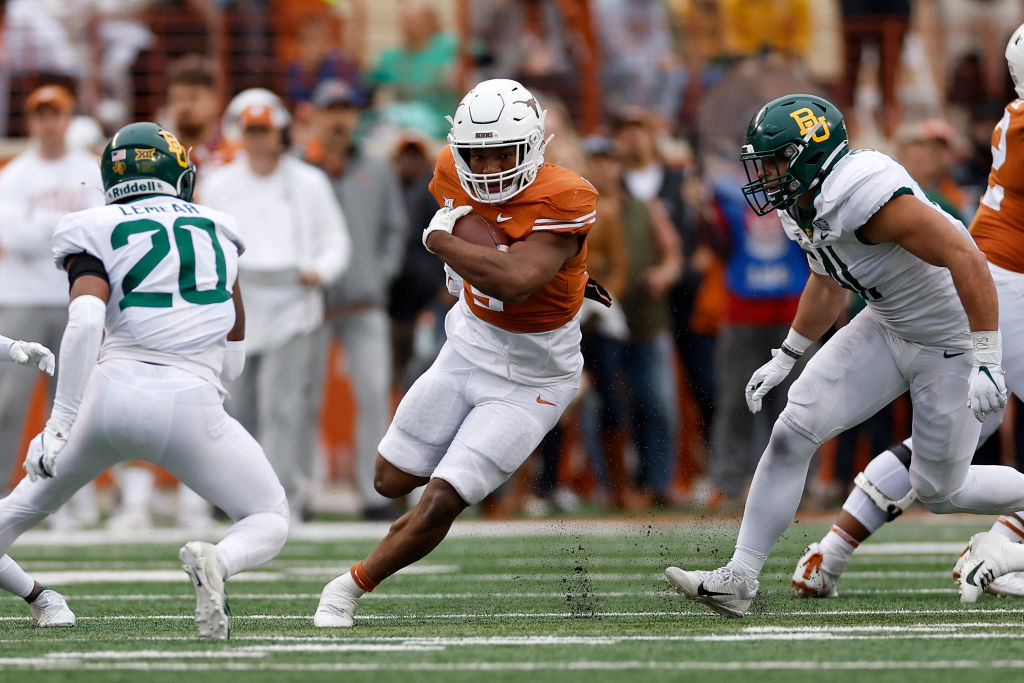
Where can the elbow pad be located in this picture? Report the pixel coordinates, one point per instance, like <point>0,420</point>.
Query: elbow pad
<point>234,361</point>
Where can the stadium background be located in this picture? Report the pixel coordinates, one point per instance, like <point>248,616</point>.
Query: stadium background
<point>721,59</point>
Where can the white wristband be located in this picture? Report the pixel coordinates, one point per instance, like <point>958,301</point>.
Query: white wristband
<point>988,347</point>
<point>795,344</point>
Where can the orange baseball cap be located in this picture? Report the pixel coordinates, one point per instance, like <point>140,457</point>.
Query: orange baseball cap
<point>55,96</point>
<point>259,116</point>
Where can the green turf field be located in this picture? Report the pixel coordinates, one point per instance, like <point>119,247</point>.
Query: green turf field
<point>544,601</point>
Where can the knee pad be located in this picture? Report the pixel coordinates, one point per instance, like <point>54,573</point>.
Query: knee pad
<point>892,507</point>
<point>886,481</point>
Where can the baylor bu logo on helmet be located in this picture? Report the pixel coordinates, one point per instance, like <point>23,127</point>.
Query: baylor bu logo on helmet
<point>809,124</point>
<point>144,159</point>
<point>790,146</point>
<point>498,113</point>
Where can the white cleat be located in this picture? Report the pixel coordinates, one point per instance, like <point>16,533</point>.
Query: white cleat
<point>50,610</point>
<point>337,608</point>
<point>810,580</point>
<point>988,556</point>
<point>1009,585</point>
<point>722,590</point>
<point>204,569</point>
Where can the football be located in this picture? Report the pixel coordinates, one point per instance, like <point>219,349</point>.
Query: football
<point>475,228</point>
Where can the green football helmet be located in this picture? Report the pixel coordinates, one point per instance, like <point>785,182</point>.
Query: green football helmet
<point>791,145</point>
<point>145,159</point>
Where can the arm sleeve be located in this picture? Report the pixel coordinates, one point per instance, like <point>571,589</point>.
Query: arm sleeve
<point>234,360</point>
<point>79,350</point>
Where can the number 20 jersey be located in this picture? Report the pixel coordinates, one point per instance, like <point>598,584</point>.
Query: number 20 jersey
<point>913,298</point>
<point>172,266</point>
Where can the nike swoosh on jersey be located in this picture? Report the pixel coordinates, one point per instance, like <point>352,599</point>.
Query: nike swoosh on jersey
<point>947,354</point>
<point>701,590</point>
<point>547,403</point>
<point>502,219</point>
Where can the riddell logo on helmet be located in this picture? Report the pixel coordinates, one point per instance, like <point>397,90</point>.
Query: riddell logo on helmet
<point>135,187</point>
<point>485,135</point>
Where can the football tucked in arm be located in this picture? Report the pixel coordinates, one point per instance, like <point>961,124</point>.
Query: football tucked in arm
<point>475,228</point>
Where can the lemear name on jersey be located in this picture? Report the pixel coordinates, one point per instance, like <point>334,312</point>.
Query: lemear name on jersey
<point>139,187</point>
<point>171,266</point>
<point>177,207</point>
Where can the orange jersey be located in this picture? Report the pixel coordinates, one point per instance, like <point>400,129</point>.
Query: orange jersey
<point>558,201</point>
<point>998,227</point>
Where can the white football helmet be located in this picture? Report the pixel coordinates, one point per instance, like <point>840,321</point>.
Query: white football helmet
<point>1015,59</point>
<point>239,103</point>
<point>498,113</point>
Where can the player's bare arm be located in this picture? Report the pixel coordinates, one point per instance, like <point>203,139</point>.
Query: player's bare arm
<point>510,276</point>
<point>237,332</point>
<point>930,237</point>
<point>820,305</point>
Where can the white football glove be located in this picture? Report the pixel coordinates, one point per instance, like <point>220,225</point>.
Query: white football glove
<point>767,377</point>
<point>453,281</point>
<point>986,391</point>
<point>34,355</point>
<point>41,459</point>
<point>444,219</point>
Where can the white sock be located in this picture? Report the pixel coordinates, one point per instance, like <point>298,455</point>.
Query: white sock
<point>891,477</point>
<point>1010,526</point>
<point>773,498</point>
<point>837,546</point>
<point>347,584</point>
<point>14,579</point>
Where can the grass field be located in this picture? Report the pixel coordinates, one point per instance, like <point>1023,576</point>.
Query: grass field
<point>547,601</point>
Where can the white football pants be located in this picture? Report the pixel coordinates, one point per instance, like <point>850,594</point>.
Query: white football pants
<point>857,372</point>
<point>174,419</point>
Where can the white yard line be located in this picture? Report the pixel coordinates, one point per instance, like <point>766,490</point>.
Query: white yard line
<point>113,597</point>
<point>884,665</point>
<point>562,614</point>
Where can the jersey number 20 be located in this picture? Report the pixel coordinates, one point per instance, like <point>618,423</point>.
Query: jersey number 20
<point>161,247</point>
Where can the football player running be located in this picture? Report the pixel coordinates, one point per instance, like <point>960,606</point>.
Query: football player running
<point>930,327</point>
<point>512,360</point>
<point>883,489</point>
<point>155,326</point>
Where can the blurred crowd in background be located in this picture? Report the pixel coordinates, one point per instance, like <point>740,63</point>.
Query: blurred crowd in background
<point>648,99</point>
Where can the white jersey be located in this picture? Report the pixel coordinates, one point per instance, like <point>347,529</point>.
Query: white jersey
<point>172,266</point>
<point>915,299</point>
